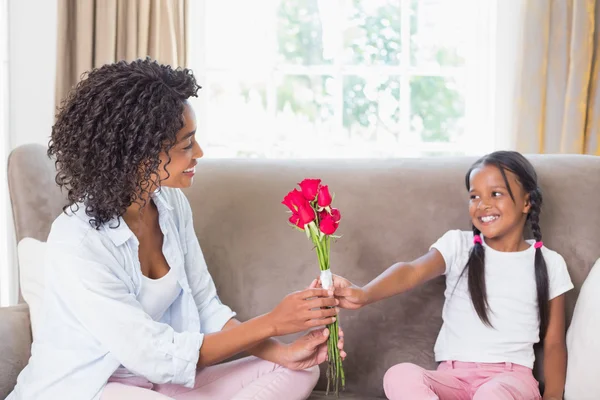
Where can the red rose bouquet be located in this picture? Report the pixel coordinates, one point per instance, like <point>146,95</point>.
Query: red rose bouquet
<point>312,212</point>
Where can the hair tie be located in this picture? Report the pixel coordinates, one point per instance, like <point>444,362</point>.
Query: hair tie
<point>476,239</point>
<point>538,245</point>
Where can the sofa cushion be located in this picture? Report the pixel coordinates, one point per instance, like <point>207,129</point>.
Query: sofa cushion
<point>15,343</point>
<point>583,342</point>
<point>32,254</point>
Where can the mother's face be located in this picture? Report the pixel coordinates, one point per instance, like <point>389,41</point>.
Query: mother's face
<point>182,167</point>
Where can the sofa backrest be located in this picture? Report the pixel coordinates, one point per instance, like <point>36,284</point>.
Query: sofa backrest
<point>392,210</point>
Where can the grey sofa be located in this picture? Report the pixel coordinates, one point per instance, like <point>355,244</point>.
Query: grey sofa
<point>391,210</point>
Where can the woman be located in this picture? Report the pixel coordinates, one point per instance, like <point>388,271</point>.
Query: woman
<point>131,310</point>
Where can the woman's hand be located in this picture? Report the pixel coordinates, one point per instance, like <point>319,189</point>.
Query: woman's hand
<point>349,295</point>
<point>309,350</point>
<point>303,310</point>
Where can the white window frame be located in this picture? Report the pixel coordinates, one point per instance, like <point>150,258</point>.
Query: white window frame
<point>479,135</point>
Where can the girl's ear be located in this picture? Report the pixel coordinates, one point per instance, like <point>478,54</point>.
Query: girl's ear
<point>527,204</point>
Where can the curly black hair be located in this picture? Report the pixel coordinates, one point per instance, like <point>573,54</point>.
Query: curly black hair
<point>110,131</point>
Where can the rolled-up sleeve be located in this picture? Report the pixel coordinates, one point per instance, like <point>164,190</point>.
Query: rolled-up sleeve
<point>100,299</point>
<point>185,359</point>
<point>213,313</point>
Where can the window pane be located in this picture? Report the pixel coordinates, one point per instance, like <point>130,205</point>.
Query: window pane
<point>238,31</point>
<point>305,109</point>
<point>237,109</point>
<point>308,99</point>
<point>437,109</point>
<point>440,32</point>
<point>306,31</point>
<point>372,107</point>
<point>372,32</point>
<point>282,75</point>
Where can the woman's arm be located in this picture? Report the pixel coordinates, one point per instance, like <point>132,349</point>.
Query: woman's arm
<point>398,278</point>
<point>297,312</point>
<point>269,349</point>
<point>303,353</point>
<point>555,351</point>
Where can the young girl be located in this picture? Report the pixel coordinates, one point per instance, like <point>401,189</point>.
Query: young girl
<point>503,294</point>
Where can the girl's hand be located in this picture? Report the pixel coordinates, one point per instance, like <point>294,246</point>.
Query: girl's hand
<point>303,310</point>
<point>349,295</point>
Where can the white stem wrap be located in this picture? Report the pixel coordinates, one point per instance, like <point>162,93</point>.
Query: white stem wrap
<point>326,279</point>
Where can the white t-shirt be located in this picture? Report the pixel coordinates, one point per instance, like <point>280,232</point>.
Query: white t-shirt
<point>156,296</point>
<point>512,299</point>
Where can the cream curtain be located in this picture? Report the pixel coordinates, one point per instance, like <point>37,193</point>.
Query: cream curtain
<point>92,33</point>
<point>558,104</point>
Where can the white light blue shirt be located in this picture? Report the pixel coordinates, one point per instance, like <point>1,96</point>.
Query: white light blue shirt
<point>92,319</point>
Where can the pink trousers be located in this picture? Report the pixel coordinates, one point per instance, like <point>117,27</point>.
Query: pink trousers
<point>455,380</point>
<point>244,379</point>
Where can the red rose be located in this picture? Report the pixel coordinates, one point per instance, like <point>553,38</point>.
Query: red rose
<point>324,199</point>
<point>293,200</point>
<point>295,220</point>
<point>328,225</point>
<point>335,214</point>
<point>310,188</point>
<point>306,215</point>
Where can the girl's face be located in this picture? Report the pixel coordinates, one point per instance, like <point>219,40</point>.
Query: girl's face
<point>491,207</point>
<point>179,173</point>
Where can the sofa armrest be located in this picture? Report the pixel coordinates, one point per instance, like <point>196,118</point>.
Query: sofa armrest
<point>15,345</point>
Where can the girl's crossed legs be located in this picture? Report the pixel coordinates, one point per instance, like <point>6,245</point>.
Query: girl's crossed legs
<point>461,381</point>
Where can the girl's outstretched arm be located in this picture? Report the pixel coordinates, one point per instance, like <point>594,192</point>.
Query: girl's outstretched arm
<point>398,278</point>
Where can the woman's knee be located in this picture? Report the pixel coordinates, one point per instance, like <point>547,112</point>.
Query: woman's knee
<point>300,384</point>
<point>310,376</point>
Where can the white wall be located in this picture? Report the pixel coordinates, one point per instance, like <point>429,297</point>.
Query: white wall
<point>32,69</point>
<point>31,74</point>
